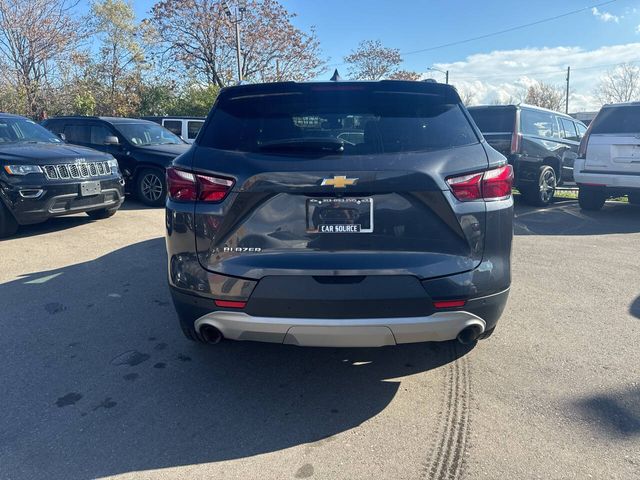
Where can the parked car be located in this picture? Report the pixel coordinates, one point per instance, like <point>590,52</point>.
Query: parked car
<point>281,230</point>
<point>143,149</point>
<point>42,177</point>
<point>609,159</point>
<point>542,146</point>
<point>186,128</point>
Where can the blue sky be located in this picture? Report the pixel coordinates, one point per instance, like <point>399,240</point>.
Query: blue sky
<point>603,37</point>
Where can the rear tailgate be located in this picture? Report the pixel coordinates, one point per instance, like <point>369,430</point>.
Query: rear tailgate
<point>389,222</point>
<point>614,141</point>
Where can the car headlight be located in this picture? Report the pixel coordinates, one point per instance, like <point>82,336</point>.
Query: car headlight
<point>22,169</point>
<point>113,165</point>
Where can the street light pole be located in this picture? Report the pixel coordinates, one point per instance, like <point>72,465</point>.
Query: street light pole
<point>446,73</point>
<point>240,9</point>
<point>237,22</point>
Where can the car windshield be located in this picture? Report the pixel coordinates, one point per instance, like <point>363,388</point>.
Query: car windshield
<point>146,134</point>
<point>22,130</point>
<point>327,120</point>
<point>494,120</point>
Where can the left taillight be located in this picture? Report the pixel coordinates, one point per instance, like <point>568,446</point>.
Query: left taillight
<point>185,186</point>
<point>494,184</point>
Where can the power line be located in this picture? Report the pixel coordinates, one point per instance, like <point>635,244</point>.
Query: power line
<point>511,29</point>
<point>500,32</point>
<point>545,73</point>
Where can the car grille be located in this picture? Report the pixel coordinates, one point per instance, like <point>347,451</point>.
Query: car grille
<point>77,170</point>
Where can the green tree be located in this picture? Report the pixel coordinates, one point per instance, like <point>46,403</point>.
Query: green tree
<point>120,57</point>
<point>196,100</point>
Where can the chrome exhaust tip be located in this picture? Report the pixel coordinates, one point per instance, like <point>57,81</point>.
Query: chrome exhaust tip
<point>470,334</point>
<point>210,334</point>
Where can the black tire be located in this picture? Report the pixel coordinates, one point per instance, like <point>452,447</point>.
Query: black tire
<point>541,194</point>
<point>487,333</point>
<point>151,187</point>
<point>191,334</point>
<point>591,199</point>
<point>102,213</point>
<point>634,198</point>
<point>8,224</point>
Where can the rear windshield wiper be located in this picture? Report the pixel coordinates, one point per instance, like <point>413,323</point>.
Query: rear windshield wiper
<point>315,145</point>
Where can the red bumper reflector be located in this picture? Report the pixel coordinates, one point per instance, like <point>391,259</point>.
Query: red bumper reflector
<point>449,303</point>
<point>229,304</point>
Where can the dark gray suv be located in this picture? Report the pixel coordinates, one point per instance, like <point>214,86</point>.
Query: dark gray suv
<point>339,214</point>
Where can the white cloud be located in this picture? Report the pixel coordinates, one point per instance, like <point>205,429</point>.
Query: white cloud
<point>506,74</point>
<point>638,29</point>
<point>605,16</point>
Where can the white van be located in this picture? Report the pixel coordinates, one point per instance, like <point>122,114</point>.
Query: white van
<point>186,128</point>
<point>608,163</point>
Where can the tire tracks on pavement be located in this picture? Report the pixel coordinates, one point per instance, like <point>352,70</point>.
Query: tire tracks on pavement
<point>448,449</point>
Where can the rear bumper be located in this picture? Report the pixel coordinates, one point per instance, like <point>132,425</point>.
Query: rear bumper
<point>619,181</point>
<point>362,332</point>
<point>442,325</point>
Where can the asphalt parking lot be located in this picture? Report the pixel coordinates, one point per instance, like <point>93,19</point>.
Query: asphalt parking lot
<point>98,381</point>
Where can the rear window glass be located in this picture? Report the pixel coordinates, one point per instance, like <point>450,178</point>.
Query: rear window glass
<point>538,123</point>
<point>364,120</point>
<point>618,120</point>
<point>193,127</point>
<point>494,120</point>
<point>174,126</point>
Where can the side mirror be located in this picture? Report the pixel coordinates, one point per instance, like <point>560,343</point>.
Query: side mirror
<point>62,136</point>
<point>111,140</point>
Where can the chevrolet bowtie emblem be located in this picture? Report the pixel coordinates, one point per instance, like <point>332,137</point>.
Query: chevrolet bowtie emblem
<point>339,181</point>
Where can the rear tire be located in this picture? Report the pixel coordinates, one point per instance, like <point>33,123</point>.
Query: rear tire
<point>102,213</point>
<point>151,187</point>
<point>591,199</point>
<point>634,198</point>
<point>487,333</point>
<point>8,224</point>
<point>191,334</point>
<point>541,194</point>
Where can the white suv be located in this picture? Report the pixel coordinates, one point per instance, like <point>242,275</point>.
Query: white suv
<point>608,161</point>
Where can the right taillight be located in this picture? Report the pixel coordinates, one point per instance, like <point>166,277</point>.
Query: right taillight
<point>582,149</point>
<point>494,184</point>
<point>185,186</point>
<point>516,141</point>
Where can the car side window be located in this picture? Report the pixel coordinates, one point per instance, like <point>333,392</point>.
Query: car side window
<point>174,126</point>
<point>99,133</point>
<point>581,130</point>
<point>193,127</point>
<point>54,127</point>
<point>538,123</point>
<point>77,133</point>
<point>568,129</point>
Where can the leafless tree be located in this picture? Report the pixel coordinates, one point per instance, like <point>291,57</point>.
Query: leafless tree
<point>622,84</point>
<point>373,61</point>
<point>33,34</point>
<point>405,75</point>
<point>545,95</point>
<point>200,36</point>
<point>467,95</point>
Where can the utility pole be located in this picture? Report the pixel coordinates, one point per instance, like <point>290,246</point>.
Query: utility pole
<point>566,107</point>
<point>236,17</point>
<point>446,73</point>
